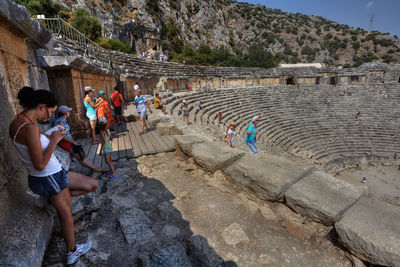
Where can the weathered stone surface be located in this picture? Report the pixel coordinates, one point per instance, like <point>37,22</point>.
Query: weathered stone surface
<point>168,129</point>
<point>185,142</point>
<point>267,213</point>
<point>322,197</point>
<point>200,248</point>
<point>19,17</point>
<point>171,231</point>
<point>166,210</point>
<point>135,226</point>
<point>234,234</point>
<point>172,256</point>
<point>84,204</point>
<point>24,237</point>
<point>153,120</point>
<point>268,176</point>
<point>371,231</point>
<point>214,156</point>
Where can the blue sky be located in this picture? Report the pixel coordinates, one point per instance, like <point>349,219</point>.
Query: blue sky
<point>355,13</point>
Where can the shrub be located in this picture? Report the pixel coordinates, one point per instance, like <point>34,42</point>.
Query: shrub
<point>115,45</point>
<point>388,59</point>
<point>356,45</point>
<point>85,23</point>
<point>42,7</point>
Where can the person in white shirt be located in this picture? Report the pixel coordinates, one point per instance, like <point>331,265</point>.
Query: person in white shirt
<point>141,107</point>
<point>46,177</point>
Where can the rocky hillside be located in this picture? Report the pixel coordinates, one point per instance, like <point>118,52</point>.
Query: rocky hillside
<point>235,27</point>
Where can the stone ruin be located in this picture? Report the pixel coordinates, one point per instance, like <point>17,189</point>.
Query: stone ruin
<point>299,125</point>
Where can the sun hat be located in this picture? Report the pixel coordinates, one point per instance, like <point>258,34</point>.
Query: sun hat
<point>63,109</point>
<point>88,88</point>
<point>102,121</point>
<point>101,92</point>
<point>232,123</point>
<point>255,118</point>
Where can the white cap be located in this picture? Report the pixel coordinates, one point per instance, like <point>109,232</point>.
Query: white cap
<point>102,121</point>
<point>88,88</point>
<point>255,118</point>
<point>184,101</point>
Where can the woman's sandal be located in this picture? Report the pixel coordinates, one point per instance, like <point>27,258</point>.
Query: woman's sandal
<point>141,133</point>
<point>112,177</point>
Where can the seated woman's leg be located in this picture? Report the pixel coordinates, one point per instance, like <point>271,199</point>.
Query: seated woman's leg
<point>62,203</point>
<point>80,184</point>
<point>86,163</point>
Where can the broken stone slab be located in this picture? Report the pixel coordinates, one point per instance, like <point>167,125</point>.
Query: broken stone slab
<point>200,248</point>
<point>135,226</point>
<point>172,256</point>
<point>234,234</point>
<point>322,197</point>
<point>165,128</point>
<point>214,156</point>
<point>370,229</point>
<point>267,176</point>
<point>153,120</point>
<point>24,236</point>
<point>185,142</point>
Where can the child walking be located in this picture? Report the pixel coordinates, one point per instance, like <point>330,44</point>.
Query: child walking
<point>230,134</point>
<point>106,148</point>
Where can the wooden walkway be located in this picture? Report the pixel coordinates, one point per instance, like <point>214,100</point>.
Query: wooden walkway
<point>127,143</point>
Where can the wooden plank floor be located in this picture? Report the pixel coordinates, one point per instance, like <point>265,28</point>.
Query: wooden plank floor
<point>126,143</point>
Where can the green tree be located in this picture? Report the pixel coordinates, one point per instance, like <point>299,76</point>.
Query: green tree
<point>42,7</point>
<point>85,23</point>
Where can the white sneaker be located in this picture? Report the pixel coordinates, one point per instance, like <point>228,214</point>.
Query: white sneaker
<point>81,249</point>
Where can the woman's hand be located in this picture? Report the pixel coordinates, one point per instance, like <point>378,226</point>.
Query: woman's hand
<point>57,136</point>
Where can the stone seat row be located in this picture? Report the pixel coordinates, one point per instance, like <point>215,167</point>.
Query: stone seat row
<point>354,139</point>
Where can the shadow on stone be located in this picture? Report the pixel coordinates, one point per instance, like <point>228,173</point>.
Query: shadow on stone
<point>132,220</point>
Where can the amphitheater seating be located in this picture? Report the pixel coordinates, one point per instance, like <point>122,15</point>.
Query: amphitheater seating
<point>296,121</point>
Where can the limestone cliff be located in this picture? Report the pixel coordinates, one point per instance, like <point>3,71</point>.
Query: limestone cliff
<point>236,26</point>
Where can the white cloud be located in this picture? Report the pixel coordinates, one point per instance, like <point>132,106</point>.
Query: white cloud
<point>369,4</point>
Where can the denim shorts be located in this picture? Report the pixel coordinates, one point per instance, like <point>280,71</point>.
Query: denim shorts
<point>142,114</point>
<point>48,185</point>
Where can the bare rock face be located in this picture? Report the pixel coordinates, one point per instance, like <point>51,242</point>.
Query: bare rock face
<point>202,250</point>
<point>172,256</point>
<point>268,176</point>
<point>322,197</point>
<point>371,231</point>
<point>234,234</point>
<point>136,228</point>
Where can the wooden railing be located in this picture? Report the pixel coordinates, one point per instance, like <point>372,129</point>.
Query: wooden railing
<point>61,28</point>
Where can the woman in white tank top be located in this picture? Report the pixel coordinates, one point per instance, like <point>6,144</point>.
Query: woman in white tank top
<point>46,176</point>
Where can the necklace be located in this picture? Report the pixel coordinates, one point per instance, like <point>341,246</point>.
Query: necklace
<point>26,116</point>
<point>29,119</point>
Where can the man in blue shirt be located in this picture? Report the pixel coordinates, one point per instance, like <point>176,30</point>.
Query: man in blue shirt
<point>251,135</point>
